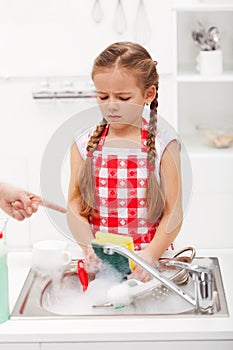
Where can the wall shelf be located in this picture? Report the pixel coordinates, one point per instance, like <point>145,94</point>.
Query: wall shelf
<point>201,5</point>
<point>202,98</point>
<point>186,73</point>
<point>197,146</point>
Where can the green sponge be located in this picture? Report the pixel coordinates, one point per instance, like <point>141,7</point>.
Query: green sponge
<point>119,262</point>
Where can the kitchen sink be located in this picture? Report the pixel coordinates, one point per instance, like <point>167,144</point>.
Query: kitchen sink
<point>41,299</point>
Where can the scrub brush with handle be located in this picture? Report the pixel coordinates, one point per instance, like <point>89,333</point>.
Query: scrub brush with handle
<point>82,274</point>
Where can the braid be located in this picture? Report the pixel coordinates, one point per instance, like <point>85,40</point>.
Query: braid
<point>155,204</point>
<point>95,138</point>
<point>154,103</point>
<point>151,152</point>
<point>86,181</point>
<point>152,130</point>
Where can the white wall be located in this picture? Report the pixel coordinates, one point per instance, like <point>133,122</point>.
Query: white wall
<point>50,37</point>
<point>56,41</point>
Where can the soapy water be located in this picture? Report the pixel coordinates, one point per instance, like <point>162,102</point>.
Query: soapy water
<point>66,297</point>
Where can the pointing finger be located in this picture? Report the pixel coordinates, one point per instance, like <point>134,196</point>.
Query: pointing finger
<point>50,205</point>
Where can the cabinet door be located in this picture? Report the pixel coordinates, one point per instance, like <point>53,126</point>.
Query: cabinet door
<point>208,222</point>
<point>21,346</point>
<point>167,345</point>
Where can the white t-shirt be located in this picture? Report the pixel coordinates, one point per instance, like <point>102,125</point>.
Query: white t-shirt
<point>163,138</point>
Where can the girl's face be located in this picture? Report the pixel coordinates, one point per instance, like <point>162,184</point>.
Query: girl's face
<point>120,98</point>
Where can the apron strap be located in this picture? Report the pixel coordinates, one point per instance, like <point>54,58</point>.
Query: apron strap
<point>144,136</point>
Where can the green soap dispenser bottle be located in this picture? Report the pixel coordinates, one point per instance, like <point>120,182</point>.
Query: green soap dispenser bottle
<point>4,303</point>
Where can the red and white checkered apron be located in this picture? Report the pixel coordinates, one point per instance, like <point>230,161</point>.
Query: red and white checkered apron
<point>121,177</point>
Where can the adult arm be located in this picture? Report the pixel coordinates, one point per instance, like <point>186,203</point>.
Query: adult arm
<point>21,204</point>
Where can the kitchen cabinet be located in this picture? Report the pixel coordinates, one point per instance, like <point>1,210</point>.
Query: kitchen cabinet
<point>167,345</point>
<point>201,98</point>
<point>204,99</point>
<point>19,346</point>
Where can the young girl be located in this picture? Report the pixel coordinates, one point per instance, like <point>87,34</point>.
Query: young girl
<point>125,174</point>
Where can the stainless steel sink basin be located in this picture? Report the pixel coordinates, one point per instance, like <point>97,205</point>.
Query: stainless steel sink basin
<point>35,301</point>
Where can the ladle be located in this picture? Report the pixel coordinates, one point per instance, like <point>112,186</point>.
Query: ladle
<point>97,12</point>
<point>120,20</point>
<point>142,26</point>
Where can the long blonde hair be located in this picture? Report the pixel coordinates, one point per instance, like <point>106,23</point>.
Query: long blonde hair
<point>135,58</point>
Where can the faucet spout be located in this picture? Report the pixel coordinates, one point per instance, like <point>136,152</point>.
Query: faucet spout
<point>110,249</point>
<point>203,300</point>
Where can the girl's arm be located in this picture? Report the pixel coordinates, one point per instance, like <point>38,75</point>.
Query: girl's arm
<point>78,224</point>
<point>171,220</point>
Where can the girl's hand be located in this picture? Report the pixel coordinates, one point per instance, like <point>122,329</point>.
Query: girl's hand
<point>93,263</point>
<point>139,273</point>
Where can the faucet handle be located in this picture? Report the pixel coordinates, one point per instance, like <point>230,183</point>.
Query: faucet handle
<point>204,279</point>
<point>190,267</point>
<point>202,273</point>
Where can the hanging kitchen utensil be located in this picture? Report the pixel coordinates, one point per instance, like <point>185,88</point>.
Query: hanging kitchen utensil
<point>97,12</point>
<point>142,25</point>
<point>120,19</point>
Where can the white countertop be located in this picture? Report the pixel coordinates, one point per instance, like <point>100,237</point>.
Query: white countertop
<point>119,328</point>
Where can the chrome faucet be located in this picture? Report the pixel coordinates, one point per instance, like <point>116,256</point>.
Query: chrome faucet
<point>202,301</point>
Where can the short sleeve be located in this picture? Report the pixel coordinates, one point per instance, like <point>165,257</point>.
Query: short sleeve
<point>82,139</point>
<point>162,140</point>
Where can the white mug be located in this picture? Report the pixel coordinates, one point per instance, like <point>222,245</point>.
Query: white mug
<point>209,62</point>
<point>50,256</point>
